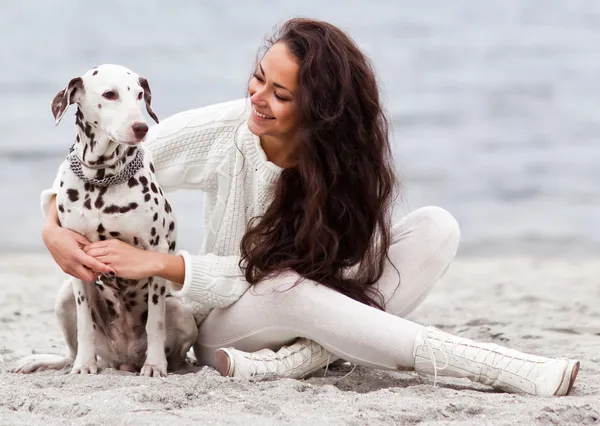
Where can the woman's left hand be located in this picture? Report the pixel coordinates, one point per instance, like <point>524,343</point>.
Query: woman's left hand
<point>127,261</point>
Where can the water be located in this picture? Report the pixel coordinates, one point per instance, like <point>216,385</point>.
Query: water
<point>495,105</point>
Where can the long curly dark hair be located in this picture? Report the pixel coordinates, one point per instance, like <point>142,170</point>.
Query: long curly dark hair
<point>332,211</point>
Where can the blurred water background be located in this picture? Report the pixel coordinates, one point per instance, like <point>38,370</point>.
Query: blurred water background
<point>495,104</point>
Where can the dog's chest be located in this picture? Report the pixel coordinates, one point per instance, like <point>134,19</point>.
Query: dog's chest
<point>136,211</point>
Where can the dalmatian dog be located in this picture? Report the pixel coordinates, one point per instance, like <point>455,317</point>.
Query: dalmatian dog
<point>108,189</point>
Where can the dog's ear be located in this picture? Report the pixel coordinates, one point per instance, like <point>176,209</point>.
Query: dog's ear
<point>148,97</point>
<point>70,94</point>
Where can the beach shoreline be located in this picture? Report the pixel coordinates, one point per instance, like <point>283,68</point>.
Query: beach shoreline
<point>547,306</point>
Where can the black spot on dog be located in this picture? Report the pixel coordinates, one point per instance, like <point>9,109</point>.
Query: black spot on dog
<point>162,290</point>
<point>152,168</point>
<point>128,88</point>
<point>154,188</point>
<point>61,208</point>
<point>100,174</point>
<point>120,209</point>
<point>144,316</point>
<point>114,233</point>
<point>160,191</point>
<point>147,197</point>
<point>164,221</point>
<point>155,299</point>
<point>135,241</point>
<point>172,246</point>
<point>145,190</point>
<point>156,201</point>
<point>155,287</point>
<point>88,204</point>
<point>130,151</point>
<point>99,202</point>
<point>87,186</point>
<point>153,231</point>
<point>83,298</point>
<point>155,217</point>
<point>144,180</point>
<point>167,207</point>
<point>99,106</point>
<point>100,229</point>
<point>95,72</point>
<point>73,194</point>
<point>61,183</point>
<point>172,227</point>
<point>84,151</point>
<point>144,286</point>
<point>102,237</point>
<point>100,286</point>
<point>78,301</point>
<point>132,182</point>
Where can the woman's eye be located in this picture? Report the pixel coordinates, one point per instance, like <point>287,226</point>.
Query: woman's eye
<point>110,95</point>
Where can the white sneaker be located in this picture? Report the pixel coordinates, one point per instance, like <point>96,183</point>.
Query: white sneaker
<point>506,369</point>
<point>296,361</point>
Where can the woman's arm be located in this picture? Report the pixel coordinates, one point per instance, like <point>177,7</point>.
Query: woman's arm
<point>215,281</point>
<point>65,246</point>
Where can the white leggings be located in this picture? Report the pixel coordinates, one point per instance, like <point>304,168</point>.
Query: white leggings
<point>271,314</point>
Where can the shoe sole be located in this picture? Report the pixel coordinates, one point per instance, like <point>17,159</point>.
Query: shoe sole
<point>223,363</point>
<point>571,373</point>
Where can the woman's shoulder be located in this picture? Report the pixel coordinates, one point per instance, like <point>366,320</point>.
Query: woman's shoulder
<point>215,115</point>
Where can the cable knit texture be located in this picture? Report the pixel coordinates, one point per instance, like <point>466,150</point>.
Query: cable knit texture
<point>211,149</point>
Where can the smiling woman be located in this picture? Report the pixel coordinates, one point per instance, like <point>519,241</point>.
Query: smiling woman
<point>272,94</point>
<point>299,244</point>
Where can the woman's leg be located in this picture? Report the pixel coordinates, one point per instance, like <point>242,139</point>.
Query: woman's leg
<point>424,244</point>
<point>269,316</point>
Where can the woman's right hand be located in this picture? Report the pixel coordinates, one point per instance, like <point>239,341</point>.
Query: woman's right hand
<point>66,247</point>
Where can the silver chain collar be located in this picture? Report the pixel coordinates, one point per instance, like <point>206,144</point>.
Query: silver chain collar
<point>123,176</point>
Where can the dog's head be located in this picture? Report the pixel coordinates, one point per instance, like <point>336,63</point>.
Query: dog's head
<point>109,97</point>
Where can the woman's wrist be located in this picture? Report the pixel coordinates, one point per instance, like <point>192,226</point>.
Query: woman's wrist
<point>170,267</point>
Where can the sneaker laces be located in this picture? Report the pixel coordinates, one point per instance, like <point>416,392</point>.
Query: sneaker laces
<point>451,348</point>
<point>266,364</point>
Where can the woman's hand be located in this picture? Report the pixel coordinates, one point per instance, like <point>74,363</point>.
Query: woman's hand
<point>125,260</point>
<point>66,249</point>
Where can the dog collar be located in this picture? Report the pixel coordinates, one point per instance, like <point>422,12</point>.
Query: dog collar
<point>123,176</point>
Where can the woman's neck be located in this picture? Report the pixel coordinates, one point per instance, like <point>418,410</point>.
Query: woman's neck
<point>279,152</point>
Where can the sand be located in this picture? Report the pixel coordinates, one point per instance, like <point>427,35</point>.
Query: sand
<point>545,306</point>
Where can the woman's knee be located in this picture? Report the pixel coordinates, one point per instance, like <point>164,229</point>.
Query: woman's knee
<point>433,225</point>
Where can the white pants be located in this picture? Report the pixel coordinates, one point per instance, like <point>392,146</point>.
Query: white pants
<point>271,314</point>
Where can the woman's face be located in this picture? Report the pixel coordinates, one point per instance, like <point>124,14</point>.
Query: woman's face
<point>272,92</point>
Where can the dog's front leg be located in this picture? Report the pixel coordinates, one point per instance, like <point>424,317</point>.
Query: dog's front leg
<point>156,360</point>
<point>85,360</point>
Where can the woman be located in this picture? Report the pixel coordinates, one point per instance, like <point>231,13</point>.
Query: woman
<point>299,187</point>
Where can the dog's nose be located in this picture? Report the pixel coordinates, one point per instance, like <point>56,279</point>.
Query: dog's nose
<point>139,130</point>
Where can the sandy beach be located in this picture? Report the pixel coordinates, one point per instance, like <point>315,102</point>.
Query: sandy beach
<point>545,306</point>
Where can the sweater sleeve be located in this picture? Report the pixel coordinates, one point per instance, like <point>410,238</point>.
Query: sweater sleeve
<point>211,280</point>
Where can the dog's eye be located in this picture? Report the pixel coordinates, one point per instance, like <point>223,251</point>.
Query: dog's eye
<point>140,96</point>
<point>110,95</point>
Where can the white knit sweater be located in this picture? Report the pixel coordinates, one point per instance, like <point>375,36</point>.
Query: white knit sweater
<point>211,149</point>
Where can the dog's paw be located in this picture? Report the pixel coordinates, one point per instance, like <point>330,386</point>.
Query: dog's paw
<point>85,365</point>
<point>154,369</point>
<point>40,362</point>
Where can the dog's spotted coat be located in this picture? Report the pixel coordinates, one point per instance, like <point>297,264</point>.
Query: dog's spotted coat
<point>129,324</point>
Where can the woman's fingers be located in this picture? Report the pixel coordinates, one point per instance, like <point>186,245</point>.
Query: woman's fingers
<point>96,245</point>
<point>94,264</point>
<point>84,274</point>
